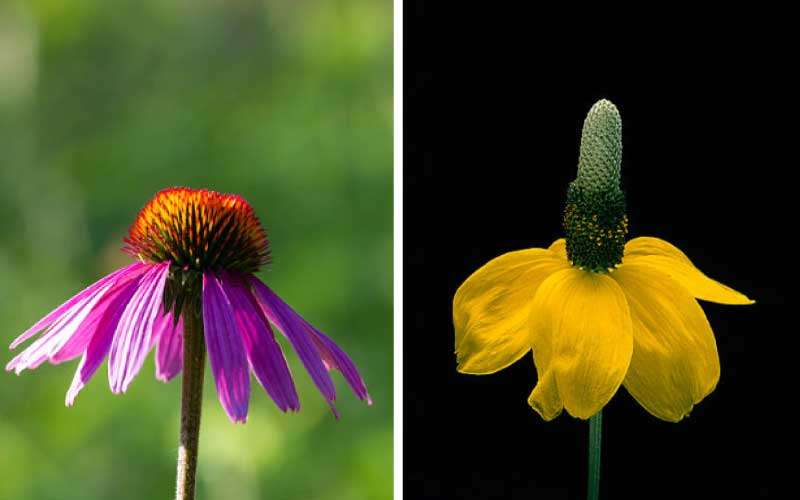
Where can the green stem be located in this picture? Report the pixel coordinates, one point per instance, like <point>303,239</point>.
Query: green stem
<point>595,441</point>
<point>194,360</point>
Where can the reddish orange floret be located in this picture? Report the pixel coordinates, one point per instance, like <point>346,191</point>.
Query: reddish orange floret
<point>199,229</point>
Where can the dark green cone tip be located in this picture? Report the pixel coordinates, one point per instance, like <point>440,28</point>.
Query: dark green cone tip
<point>594,218</point>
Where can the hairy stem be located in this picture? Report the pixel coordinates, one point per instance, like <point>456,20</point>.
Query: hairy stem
<point>194,357</point>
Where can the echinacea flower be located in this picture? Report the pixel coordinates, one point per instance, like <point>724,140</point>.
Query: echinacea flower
<point>597,311</point>
<point>196,253</point>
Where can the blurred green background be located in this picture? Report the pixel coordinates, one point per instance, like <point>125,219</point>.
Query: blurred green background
<point>287,103</point>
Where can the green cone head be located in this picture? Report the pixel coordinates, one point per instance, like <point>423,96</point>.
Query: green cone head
<point>594,218</point>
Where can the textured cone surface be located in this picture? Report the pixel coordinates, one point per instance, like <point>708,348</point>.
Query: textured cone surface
<point>594,217</point>
<point>601,148</point>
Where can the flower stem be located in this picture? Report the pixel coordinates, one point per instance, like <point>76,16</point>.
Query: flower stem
<point>194,357</point>
<point>595,441</point>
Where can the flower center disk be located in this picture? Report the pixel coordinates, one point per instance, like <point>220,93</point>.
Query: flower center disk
<point>197,229</point>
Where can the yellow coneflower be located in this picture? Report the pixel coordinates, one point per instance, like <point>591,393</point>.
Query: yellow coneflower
<point>597,311</point>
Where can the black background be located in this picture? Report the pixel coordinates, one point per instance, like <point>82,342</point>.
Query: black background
<point>493,106</point>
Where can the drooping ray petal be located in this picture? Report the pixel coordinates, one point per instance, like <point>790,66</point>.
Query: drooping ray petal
<point>293,327</point>
<point>491,309</point>
<point>100,343</point>
<point>263,352</point>
<point>132,339</point>
<point>544,397</point>
<point>335,358</point>
<point>169,349</point>
<point>668,259</point>
<point>590,327</point>
<point>675,362</point>
<point>63,308</point>
<point>58,334</point>
<point>76,343</point>
<point>225,350</point>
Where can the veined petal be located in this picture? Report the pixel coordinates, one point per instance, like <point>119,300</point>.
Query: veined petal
<point>544,397</point>
<point>263,352</point>
<point>667,259</point>
<point>77,343</point>
<point>63,308</point>
<point>675,362</point>
<point>169,347</point>
<point>132,339</point>
<point>491,309</point>
<point>74,326</point>
<point>581,322</point>
<point>58,334</point>
<point>293,327</point>
<point>100,343</point>
<point>225,349</point>
<point>335,358</point>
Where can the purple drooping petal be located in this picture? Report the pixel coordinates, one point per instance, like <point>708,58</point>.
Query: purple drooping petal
<point>132,338</point>
<point>63,308</point>
<point>169,350</point>
<point>100,344</point>
<point>77,343</point>
<point>294,328</point>
<point>58,334</point>
<point>336,359</point>
<point>225,350</point>
<point>263,352</point>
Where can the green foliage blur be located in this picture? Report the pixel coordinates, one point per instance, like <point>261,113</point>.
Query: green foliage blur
<point>288,103</point>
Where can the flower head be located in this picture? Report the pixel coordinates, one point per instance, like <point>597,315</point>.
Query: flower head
<point>197,251</point>
<point>597,311</point>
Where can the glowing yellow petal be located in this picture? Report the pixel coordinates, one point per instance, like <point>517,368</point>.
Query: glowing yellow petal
<point>581,333</point>
<point>545,398</point>
<point>491,308</point>
<point>675,362</point>
<point>664,257</point>
<point>559,247</point>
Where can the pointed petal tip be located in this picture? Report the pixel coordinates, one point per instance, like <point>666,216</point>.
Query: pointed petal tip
<point>334,410</point>
<point>72,393</point>
<point>368,399</point>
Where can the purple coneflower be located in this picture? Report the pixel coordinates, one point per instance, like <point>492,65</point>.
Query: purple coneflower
<point>197,251</point>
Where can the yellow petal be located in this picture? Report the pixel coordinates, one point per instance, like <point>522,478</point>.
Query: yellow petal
<point>545,398</point>
<point>661,256</point>
<point>675,362</point>
<point>581,333</point>
<point>559,247</point>
<point>491,309</point>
